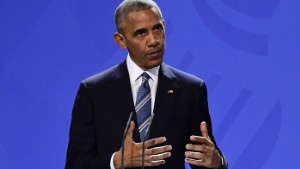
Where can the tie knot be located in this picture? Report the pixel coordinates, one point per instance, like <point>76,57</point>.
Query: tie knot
<point>145,76</point>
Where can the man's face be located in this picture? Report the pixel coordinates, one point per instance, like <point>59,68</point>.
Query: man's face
<point>143,35</point>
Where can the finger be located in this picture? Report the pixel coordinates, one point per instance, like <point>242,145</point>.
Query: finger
<point>158,157</point>
<point>202,140</point>
<point>131,130</point>
<point>194,155</point>
<point>203,128</point>
<point>154,163</point>
<point>155,141</point>
<point>197,162</point>
<point>157,150</point>
<point>198,147</point>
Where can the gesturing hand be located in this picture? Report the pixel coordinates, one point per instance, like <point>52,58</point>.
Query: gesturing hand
<point>133,152</point>
<point>203,152</point>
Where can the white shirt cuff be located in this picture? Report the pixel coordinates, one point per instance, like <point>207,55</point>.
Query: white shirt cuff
<point>112,161</point>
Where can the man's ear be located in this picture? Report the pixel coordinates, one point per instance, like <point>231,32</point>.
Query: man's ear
<point>120,40</point>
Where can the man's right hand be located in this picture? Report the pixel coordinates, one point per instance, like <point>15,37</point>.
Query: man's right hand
<point>153,156</point>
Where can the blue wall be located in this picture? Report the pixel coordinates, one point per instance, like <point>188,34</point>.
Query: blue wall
<point>247,51</point>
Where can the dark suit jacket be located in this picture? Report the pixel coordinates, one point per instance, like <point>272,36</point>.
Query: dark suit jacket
<point>104,102</point>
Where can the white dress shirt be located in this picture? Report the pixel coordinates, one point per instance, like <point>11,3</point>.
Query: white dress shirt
<point>135,77</point>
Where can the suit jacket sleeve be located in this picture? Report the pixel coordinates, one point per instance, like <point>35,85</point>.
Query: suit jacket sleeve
<point>82,143</point>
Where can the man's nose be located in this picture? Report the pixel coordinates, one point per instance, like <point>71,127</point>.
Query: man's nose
<point>153,40</point>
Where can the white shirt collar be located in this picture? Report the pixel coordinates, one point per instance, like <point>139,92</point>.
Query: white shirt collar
<point>135,71</point>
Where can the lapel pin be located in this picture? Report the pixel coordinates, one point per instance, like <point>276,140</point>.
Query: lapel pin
<point>170,91</point>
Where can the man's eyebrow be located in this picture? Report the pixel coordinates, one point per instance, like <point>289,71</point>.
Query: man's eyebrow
<point>158,25</point>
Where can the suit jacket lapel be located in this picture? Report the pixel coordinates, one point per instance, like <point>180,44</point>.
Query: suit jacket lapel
<point>123,97</point>
<point>165,95</point>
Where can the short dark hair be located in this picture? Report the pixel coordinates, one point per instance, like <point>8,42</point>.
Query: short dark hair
<point>128,6</point>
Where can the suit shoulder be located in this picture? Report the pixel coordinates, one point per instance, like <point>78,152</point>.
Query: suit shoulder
<point>185,78</point>
<point>102,77</point>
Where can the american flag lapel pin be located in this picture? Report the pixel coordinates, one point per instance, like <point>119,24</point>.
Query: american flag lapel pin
<point>170,91</point>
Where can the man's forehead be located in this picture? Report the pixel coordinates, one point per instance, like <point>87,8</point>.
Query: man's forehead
<point>142,17</point>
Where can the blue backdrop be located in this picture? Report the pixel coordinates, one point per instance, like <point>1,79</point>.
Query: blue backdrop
<point>247,51</point>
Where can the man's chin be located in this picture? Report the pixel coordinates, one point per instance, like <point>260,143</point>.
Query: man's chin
<point>155,63</point>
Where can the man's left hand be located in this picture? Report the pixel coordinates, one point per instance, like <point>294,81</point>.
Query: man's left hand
<point>203,151</point>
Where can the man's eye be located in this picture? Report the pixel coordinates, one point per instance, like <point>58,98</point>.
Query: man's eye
<point>140,33</point>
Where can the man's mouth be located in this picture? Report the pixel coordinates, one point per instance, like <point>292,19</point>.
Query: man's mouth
<point>153,53</point>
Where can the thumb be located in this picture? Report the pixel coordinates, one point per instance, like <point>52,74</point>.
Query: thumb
<point>131,130</point>
<point>203,128</point>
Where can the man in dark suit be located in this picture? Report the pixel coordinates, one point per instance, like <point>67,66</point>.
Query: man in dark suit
<point>181,130</point>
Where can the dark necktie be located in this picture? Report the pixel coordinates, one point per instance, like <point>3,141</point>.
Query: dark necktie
<point>143,106</point>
